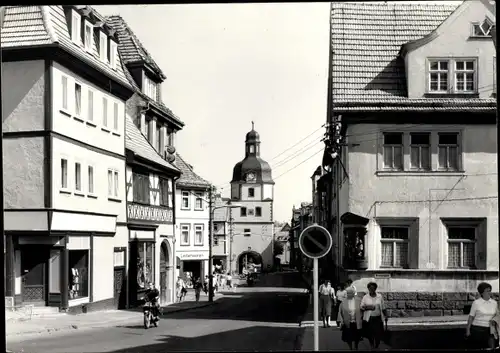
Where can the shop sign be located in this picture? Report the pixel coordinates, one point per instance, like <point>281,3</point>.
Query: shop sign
<point>193,255</point>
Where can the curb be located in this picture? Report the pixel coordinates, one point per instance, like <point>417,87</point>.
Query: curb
<point>71,327</point>
<point>407,325</point>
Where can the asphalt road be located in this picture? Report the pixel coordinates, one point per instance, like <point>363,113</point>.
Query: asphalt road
<point>249,321</point>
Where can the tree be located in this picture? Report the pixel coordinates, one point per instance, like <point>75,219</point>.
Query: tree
<point>278,248</point>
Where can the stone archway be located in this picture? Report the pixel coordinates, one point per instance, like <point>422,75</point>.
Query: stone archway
<point>165,273</point>
<point>247,258</point>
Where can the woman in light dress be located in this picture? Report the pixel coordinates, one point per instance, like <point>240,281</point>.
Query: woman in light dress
<point>326,298</point>
<point>374,315</point>
<point>481,329</point>
<point>350,319</point>
<point>180,288</point>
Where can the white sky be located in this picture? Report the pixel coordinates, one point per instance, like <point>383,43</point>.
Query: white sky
<point>229,64</point>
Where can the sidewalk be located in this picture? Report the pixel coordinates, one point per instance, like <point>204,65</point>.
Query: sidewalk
<point>330,339</point>
<point>107,318</point>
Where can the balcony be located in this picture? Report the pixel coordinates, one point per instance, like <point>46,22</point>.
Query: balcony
<point>149,213</point>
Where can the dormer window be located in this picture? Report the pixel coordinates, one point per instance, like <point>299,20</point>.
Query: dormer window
<point>150,88</point>
<point>252,149</point>
<point>482,29</point>
<point>113,54</point>
<point>76,27</point>
<point>452,76</point>
<point>88,36</point>
<point>103,46</point>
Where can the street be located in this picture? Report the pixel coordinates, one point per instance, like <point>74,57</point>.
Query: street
<point>251,320</point>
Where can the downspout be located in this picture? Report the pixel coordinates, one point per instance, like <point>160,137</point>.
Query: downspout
<point>174,250</point>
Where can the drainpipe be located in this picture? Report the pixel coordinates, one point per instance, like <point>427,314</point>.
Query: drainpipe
<point>174,250</point>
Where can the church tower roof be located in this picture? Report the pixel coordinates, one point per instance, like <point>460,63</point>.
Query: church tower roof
<point>252,167</point>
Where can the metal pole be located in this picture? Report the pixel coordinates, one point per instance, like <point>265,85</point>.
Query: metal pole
<point>210,236</point>
<point>315,303</point>
<point>230,241</point>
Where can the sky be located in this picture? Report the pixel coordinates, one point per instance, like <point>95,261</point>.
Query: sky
<point>230,64</point>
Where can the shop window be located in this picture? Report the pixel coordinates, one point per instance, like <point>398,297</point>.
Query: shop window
<point>78,274</point>
<point>145,267</point>
<point>141,188</point>
<point>55,271</point>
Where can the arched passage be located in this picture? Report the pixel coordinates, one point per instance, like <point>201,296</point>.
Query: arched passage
<point>248,259</point>
<point>166,274</point>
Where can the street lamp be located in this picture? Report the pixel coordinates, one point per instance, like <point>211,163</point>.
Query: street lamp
<point>210,242</point>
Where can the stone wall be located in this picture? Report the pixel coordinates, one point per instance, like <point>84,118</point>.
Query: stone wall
<point>415,304</point>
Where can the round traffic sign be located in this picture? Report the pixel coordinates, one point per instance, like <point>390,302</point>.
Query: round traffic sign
<point>315,241</point>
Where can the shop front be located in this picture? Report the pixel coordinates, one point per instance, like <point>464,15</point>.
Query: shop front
<point>193,264</point>
<point>142,263</point>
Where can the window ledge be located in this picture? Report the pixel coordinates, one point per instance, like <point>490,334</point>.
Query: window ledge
<point>105,129</point>
<point>92,196</point>
<point>184,244</point>
<point>185,209</point>
<point>79,193</point>
<point>116,133</point>
<point>65,191</point>
<point>65,112</point>
<point>199,245</point>
<point>199,209</point>
<point>114,199</point>
<point>419,173</point>
<point>481,37</point>
<point>91,123</point>
<point>451,95</point>
<point>78,118</point>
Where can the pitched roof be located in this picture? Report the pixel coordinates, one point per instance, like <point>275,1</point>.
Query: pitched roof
<point>189,178</point>
<point>132,50</point>
<point>136,142</point>
<point>31,26</point>
<point>367,73</point>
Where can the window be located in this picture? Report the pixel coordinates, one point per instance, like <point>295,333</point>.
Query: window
<point>88,36</point>
<point>185,200</point>
<point>247,232</point>
<point>164,193</point>
<point>420,144</point>
<point>482,29</point>
<point>78,273</point>
<point>78,177</point>
<point>91,179</point>
<point>90,105</point>
<point>147,130</point>
<point>170,137</point>
<point>252,149</point>
<point>199,201</point>
<point>145,261</point>
<point>258,211</point>
<point>103,46</point>
<point>448,151</point>
<point>140,185</point>
<point>78,99</point>
<point>115,116</point>
<point>494,75</point>
<point>55,271</point>
<point>461,247</point>
<point>393,151</point>
<point>438,76</point>
<point>158,137</point>
<point>76,26</point>
<point>243,211</point>
<point>64,88</point>
<point>112,54</point>
<point>184,234</point>
<point>113,183</point>
<point>198,234</point>
<point>452,76</point>
<point>104,111</point>
<point>64,173</point>
<point>394,246</point>
<point>464,76</point>
<point>150,88</point>
<point>251,192</point>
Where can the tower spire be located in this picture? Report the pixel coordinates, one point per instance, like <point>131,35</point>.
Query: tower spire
<point>252,124</point>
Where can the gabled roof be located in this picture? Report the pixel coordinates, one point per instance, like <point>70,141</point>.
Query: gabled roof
<point>36,26</point>
<point>189,178</point>
<point>131,48</point>
<point>367,74</point>
<point>136,142</point>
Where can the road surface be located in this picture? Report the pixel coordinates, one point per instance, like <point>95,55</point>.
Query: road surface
<point>253,320</point>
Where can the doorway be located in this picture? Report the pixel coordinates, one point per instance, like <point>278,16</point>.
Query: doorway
<point>34,262</point>
<point>165,296</point>
<point>119,288</point>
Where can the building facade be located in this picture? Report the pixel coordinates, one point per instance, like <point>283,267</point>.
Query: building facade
<point>64,157</point>
<point>412,154</point>
<point>192,216</point>
<point>150,174</point>
<point>222,240</point>
<point>252,187</point>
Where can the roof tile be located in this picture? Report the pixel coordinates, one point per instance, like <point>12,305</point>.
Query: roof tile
<point>189,178</point>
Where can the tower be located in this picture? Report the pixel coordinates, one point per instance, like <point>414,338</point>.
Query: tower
<point>252,186</point>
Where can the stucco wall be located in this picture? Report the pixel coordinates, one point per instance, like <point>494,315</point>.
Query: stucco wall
<point>266,211</point>
<point>259,241</point>
<point>23,101</point>
<point>103,268</point>
<point>23,162</point>
<point>257,192</point>
<point>454,41</point>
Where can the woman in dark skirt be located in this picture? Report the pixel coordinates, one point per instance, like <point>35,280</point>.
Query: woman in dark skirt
<point>350,319</point>
<point>326,297</point>
<point>374,314</point>
<point>482,312</point>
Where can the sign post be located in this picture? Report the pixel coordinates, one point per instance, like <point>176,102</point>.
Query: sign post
<point>315,242</point>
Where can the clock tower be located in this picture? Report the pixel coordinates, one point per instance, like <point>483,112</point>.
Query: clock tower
<point>252,187</point>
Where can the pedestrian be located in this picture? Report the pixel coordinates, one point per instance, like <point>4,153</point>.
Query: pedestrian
<point>483,311</point>
<point>205,285</point>
<point>374,314</point>
<point>326,299</point>
<point>197,289</point>
<point>180,288</point>
<point>223,281</point>
<point>229,281</point>
<point>340,295</point>
<point>348,283</point>
<point>350,318</point>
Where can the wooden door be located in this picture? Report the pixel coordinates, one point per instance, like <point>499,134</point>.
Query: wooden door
<point>119,288</point>
<point>33,273</point>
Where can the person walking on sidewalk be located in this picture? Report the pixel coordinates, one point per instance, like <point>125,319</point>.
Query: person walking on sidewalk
<point>340,295</point>
<point>197,288</point>
<point>481,314</point>
<point>350,319</point>
<point>180,289</point>
<point>374,314</point>
<point>327,295</point>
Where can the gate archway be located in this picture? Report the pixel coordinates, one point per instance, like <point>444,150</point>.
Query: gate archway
<point>165,273</point>
<point>248,258</point>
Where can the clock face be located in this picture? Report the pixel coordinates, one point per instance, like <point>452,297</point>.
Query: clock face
<point>250,176</point>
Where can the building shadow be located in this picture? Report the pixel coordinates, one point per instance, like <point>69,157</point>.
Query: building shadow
<point>256,338</point>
